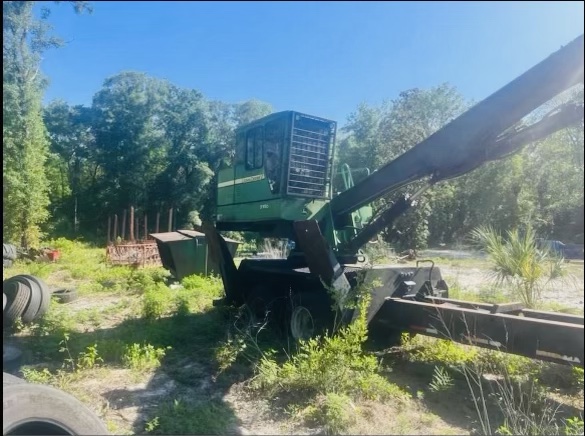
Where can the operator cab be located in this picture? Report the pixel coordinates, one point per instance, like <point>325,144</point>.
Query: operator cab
<point>281,173</point>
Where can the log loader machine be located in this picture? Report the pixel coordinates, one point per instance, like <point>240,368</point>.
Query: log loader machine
<point>280,186</point>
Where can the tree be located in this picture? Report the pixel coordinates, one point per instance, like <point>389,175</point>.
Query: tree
<point>24,143</point>
<point>183,182</point>
<point>378,135</point>
<point>130,139</point>
<point>71,162</point>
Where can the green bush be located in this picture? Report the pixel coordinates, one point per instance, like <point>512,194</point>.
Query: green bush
<point>329,364</point>
<point>156,301</point>
<point>143,357</point>
<point>438,351</point>
<point>335,412</point>
<point>577,378</point>
<point>519,263</point>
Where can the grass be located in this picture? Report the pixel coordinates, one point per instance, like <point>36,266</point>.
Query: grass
<point>160,359</point>
<point>182,417</point>
<point>510,394</point>
<point>329,373</point>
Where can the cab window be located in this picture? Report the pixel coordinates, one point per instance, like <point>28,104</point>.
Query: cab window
<point>255,148</point>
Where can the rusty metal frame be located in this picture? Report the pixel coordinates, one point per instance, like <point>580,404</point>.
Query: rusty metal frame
<point>144,254</point>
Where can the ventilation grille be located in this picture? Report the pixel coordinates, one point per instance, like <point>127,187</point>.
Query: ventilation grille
<point>308,173</point>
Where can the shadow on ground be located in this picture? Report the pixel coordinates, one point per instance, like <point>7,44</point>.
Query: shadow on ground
<point>185,395</point>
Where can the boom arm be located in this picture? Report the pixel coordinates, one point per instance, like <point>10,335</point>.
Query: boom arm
<point>476,136</point>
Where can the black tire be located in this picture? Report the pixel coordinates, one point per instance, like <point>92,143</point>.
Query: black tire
<point>9,379</point>
<point>34,302</point>
<point>38,409</point>
<point>11,358</point>
<point>9,251</point>
<point>45,295</point>
<point>7,263</point>
<point>314,307</point>
<point>65,295</point>
<point>18,296</point>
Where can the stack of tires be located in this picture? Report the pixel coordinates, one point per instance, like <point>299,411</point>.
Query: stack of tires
<point>42,410</point>
<point>26,298</point>
<point>9,254</point>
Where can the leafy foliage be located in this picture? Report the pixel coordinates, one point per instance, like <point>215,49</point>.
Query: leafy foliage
<point>24,137</point>
<point>519,263</point>
<point>441,380</point>
<point>329,364</point>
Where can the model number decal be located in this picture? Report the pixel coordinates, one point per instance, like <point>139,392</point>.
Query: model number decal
<point>263,206</point>
<point>242,180</point>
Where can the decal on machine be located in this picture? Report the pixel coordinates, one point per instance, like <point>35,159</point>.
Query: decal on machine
<point>240,181</point>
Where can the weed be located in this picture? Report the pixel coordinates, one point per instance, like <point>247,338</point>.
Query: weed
<point>89,358</point>
<point>198,293</point>
<point>328,364</point>
<point>336,412</point>
<point>573,426</point>
<point>227,353</point>
<point>525,409</point>
<point>152,425</point>
<point>112,350</point>
<point>441,381</point>
<point>182,306</point>
<point>65,349</point>
<point>513,366</point>
<point>35,376</point>
<point>577,374</point>
<point>156,301</point>
<point>441,351</point>
<point>143,357</point>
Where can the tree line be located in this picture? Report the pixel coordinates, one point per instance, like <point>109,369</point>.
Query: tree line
<point>146,142</point>
<point>540,187</point>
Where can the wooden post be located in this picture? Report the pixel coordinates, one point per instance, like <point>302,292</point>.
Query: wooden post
<point>116,228</point>
<point>131,229</point>
<point>157,222</point>
<point>123,235</point>
<point>145,227</point>
<point>171,219</point>
<point>109,234</point>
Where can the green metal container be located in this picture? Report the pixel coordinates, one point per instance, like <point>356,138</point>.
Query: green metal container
<point>185,252</point>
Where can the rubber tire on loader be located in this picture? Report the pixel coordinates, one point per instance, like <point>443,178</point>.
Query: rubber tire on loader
<point>44,293</point>
<point>64,295</point>
<point>18,296</point>
<point>9,252</point>
<point>37,409</point>
<point>9,379</point>
<point>315,305</point>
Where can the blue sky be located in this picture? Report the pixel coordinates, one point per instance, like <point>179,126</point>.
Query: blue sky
<point>322,58</point>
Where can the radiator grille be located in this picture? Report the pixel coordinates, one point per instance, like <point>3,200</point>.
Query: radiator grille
<point>309,160</point>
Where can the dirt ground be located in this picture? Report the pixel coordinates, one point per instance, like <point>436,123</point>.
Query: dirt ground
<point>127,403</point>
<point>470,271</point>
